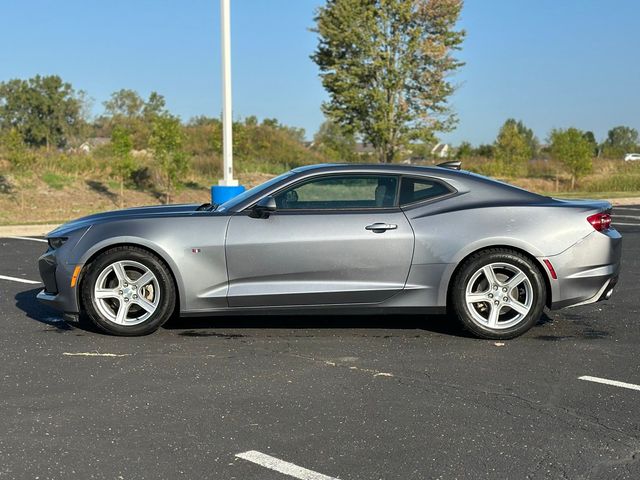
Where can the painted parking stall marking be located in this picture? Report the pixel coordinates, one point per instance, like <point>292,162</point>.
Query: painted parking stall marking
<point>19,280</point>
<point>606,381</point>
<point>94,354</point>
<point>286,468</point>
<point>28,238</point>
<point>626,216</point>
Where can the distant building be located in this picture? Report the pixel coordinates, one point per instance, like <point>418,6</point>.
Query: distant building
<point>92,143</point>
<point>441,150</point>
<point>364,148</point>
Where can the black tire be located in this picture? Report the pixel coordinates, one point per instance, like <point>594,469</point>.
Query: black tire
<point>167,292</point>
<point>468,271</point>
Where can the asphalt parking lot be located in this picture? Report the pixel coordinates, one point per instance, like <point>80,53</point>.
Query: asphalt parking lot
<point>319,398</point>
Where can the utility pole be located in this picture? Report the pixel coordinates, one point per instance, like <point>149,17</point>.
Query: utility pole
<point>227,187</point>
<point>227,112</point>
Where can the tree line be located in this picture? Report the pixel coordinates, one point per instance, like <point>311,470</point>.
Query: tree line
<point>574,149</point>
<point>46,115</point>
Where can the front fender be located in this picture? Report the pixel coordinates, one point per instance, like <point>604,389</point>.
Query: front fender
<point>84,255</point>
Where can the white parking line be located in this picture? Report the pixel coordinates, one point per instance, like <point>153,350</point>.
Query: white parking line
<point>94,354</point>
<point>29,238</point>
<point>281,466</point>
<point>20,280</point>
<point>620,207</point>
<point>615,383</point>
<point>635,217</point>
<point>629,224</point>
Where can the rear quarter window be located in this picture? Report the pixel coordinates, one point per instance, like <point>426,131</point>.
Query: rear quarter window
<point>414,190</point>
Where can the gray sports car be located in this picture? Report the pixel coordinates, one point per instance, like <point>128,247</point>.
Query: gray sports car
<point>340,239</point>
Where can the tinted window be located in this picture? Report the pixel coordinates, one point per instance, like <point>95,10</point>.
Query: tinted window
<point>352,191</point>
<point>418,189</point>
<point>229,204</point>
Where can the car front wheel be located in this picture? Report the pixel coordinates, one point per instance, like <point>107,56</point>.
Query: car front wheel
<point>498,294</point>
<point>128,291</point>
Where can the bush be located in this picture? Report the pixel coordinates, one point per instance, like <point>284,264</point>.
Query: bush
<point>5,185</point>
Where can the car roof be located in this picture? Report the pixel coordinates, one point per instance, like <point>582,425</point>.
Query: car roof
<point>380,168</point>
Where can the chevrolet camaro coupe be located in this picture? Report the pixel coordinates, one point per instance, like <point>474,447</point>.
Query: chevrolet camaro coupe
<point>340,239</point>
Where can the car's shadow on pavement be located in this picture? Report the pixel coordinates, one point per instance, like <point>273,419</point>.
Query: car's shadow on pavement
<point>29,304</point>
<point>211,326</point>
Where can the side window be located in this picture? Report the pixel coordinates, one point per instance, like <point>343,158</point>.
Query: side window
<point>341,192</point>
<point>418,189</point>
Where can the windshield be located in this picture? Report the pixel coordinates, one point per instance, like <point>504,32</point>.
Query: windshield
<point>229,204</point>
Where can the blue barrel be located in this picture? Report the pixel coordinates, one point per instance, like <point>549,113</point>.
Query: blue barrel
<point>220,193</point>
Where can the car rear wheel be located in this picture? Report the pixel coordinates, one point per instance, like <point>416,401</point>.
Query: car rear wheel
<point>498,294</point>
<point>128,291</point>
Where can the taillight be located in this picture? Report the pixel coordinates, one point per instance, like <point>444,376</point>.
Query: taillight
<point>600,221</point>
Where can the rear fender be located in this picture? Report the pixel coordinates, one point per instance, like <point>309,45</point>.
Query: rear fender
<point>467,250</point>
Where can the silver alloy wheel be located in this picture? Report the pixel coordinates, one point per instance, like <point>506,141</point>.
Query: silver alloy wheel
<point>499,296</point>
<point>126,293</point>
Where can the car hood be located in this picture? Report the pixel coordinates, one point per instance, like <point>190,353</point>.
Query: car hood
<point>138,212</point>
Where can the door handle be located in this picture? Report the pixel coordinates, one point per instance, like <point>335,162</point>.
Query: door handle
<point>381,227</point>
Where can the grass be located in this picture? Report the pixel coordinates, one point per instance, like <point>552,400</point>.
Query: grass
<point>629,182</point>
<point>593,195</point>
<point>55,180</point>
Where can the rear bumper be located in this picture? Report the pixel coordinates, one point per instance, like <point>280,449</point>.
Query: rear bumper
<point>588,271</point>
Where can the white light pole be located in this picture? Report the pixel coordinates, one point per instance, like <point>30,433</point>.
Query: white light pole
<point>227,113</point>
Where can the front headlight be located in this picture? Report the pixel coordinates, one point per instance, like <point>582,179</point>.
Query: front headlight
<point>56,242</point>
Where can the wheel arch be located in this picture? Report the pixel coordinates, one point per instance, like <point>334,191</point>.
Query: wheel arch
<point>99,249</point>
<point>536,261</point>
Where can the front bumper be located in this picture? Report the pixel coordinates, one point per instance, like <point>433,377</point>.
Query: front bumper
<point>587,271</point>
<point>56,276</point>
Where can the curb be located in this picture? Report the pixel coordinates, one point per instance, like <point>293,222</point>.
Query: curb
<point>26,230</point>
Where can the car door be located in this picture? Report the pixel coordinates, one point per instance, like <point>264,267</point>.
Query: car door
<point>334,239</point>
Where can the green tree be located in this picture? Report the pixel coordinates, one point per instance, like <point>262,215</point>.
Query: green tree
<point>123,162</point>
<point>484,150</point>
<point>16,151</point>
<point>386,66</point>
<point>270,122</point>
<point>512,151</point>
<point>620,141</point>
<point>21,159</point>
<point>465,150</point>
<point>166,142</point>
<point>127,109</point>
<point>591,138</point>
<point>203,137</point>
<point>124,103</point>
<point>573,150</point>
<point>154,107</point>
<point>45,110</point>
<point>527,134</point>
<point>334,143</point>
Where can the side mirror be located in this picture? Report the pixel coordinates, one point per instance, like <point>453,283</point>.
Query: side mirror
<point>264,207</point>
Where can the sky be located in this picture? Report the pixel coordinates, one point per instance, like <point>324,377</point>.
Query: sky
<point>550,63</point>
